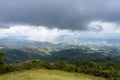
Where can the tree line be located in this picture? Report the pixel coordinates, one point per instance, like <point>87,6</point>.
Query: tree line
<point>107,70</point>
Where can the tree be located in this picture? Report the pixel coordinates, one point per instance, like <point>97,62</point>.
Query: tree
<point>61,65</point>
<point>2,58</point>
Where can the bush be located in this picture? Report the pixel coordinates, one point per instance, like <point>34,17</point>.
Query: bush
<point>5,69</point>
<point>60,65</point>
<point>2,58</point>
<point>107,70</point>
<point>70,68</point>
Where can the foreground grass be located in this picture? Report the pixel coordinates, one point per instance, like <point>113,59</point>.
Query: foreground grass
<point>43,74</point>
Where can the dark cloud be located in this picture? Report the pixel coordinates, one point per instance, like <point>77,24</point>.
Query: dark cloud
<point>63,14</point>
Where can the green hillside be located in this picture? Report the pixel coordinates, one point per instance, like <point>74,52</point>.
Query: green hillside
<point>76,55</point>
<point>42,74</point>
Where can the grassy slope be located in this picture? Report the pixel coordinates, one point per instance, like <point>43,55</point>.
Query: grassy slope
<point>43,74</point>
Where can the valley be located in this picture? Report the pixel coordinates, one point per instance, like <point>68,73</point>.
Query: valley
<point>31,50</point>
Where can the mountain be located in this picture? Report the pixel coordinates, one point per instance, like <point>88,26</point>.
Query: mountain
<point>24,54</point>
<point>23,50</point>
<point>61,44</point>
<point>73,55</point>
<point>67,54</point>
<point>24,43</point>
<point>98,54</point>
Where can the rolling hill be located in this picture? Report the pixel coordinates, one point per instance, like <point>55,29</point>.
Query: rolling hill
<point>43,74</point>
<point>16,55</point>
<point>73,55</point>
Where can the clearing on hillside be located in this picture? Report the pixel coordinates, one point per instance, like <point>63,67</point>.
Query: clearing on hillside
<point>43,74</point>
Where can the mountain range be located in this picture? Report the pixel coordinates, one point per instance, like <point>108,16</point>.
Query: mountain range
<point>24,50</point>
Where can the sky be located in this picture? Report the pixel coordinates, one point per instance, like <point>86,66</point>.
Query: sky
<point>59,20</point>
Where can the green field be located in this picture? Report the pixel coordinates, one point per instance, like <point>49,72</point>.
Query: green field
<point>43,74</point>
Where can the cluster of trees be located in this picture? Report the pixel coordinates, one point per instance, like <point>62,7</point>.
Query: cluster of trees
<point>104,69</point>
<point>4,68</point>
<point>107,70</point>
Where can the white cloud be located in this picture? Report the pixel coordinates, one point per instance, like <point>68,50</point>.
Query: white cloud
<point>98,29</point>
<point>40,33</point>
<point>105,29</point>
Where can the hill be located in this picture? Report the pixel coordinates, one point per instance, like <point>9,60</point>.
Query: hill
<point>16,55</point>
<point>73,55</point>
<point>43,74</point>
<point>24,54</point>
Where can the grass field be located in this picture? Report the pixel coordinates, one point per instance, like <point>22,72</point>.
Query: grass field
<point>43,74</point>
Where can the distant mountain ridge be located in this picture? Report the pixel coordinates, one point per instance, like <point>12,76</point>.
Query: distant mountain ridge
<point>69,55</point>
<point>27,43</point>
<point>23,50</point>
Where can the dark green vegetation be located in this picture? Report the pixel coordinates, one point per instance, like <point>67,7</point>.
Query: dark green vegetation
<point>67,54</point>
<point>107,70</point>
<point>74,55</point>
<point>20,55</point>
<point>2,58</point>
<point>101,61</point>
<point>83,50</point>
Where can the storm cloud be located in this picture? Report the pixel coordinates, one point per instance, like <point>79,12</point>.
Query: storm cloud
<point>62,14</point>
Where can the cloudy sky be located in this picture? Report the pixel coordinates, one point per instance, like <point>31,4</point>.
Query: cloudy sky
<point>51,20</point>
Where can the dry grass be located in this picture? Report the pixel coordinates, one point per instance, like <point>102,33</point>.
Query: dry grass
<point>43,74</point>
